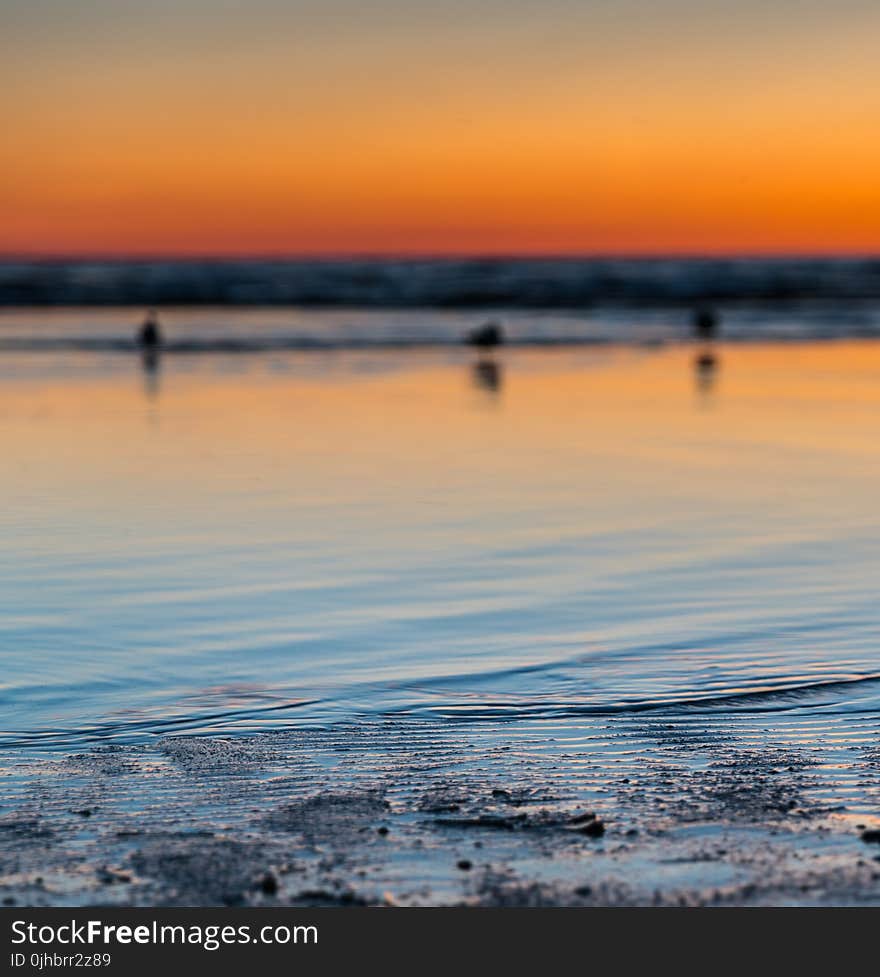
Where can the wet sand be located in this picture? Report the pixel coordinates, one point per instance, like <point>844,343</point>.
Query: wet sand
<point>617,812</point>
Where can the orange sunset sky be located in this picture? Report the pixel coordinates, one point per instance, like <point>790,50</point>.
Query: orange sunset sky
<point>403,126</point>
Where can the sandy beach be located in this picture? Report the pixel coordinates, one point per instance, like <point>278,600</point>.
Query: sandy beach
<point>624,812</point>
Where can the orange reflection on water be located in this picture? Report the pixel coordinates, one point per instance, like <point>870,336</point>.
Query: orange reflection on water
<point>631,431</point>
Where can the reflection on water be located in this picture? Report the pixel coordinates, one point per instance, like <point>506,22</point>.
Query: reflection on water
<point>706,366</point>
<point>150,364</point>
<point>314,535</point>
<point>488,374</point>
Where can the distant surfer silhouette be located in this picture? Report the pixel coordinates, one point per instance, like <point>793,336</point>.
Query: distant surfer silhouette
<point>706,323</point>
<point>150,335</point>
<point>487,336</point>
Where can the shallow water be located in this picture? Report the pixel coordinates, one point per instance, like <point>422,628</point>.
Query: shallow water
<point>233,542</point>
<point>229,330</point>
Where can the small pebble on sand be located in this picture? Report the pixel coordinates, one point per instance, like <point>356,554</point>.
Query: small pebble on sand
<point>593,829</point>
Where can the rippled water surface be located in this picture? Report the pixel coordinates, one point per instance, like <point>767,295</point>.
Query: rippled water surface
<point>229,542</point>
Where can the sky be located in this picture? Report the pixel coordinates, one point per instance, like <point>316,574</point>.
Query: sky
<point>297,127</point>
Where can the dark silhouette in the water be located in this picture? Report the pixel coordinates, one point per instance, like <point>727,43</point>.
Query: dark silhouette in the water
<point>487,375</point>
<point>706,324</point>
<point>150,335</point>
<point>149,339</point>
<point>487,336</point>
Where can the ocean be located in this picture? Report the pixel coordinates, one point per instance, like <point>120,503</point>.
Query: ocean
<point>254,532</point>
<point>305,572</point>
